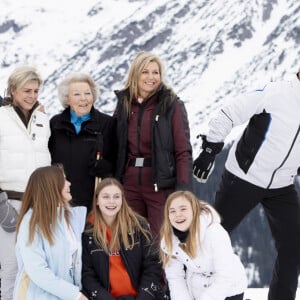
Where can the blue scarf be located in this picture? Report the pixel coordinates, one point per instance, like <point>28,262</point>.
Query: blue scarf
<point>78,120</point>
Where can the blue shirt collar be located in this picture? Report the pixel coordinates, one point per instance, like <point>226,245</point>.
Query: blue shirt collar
<point>78,120</point>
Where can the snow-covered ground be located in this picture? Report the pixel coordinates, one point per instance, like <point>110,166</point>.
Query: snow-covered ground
<point>261,294</point>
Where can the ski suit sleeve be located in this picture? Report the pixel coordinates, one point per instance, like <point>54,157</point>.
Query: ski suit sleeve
<point>182,147</point>
<point>238,111</point>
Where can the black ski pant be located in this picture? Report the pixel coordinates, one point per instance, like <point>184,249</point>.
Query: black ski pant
<point>236,198</point>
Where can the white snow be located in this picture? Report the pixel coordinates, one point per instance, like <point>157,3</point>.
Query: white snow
<point>261,294</point>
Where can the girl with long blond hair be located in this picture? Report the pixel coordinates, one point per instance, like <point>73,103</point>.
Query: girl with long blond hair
<point>196,252</point>
<point>120,260</point>
<point>48,246</point>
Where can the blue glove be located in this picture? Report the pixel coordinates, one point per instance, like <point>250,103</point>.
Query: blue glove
<point>204,164</point>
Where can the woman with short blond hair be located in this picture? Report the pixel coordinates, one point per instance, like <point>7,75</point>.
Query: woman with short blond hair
<point>24,135</point>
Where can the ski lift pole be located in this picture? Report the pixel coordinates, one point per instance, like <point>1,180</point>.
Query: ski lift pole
<point>97,179</point>
<point>99,149</point>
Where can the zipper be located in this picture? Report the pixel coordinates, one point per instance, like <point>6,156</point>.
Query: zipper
<point>140,115</point>
<point>154,125</point>
<point>286,157</point>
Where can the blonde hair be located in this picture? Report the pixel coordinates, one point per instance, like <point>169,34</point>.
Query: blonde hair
<point>64,85</point>
<point>19,77</point>
<point>193,239</point>
<point>43,195</point>
<point>126,223</point>
<point>137,66</point>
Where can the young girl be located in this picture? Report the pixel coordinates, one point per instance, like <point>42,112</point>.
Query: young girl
<point>196,252</point>
<point>120,261</point>
<point>48,244</point>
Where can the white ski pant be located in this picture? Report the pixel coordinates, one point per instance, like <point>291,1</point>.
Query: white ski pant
<point>8,259</point>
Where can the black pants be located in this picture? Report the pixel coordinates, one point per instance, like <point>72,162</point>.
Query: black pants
<point>236,197</point>
<point>236,297</point>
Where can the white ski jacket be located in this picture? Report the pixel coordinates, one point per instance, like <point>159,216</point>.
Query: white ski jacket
<point>268,152</point>
<point>22,149</point>
<point>216,273</point>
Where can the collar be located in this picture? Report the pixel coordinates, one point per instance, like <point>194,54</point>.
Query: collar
<point>182,235</point>
<point>21,114</point>
<point>78,120</point>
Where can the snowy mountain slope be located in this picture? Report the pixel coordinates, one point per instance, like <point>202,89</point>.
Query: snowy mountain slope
<point>211,49</point>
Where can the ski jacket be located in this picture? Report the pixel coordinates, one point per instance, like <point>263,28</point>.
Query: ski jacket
<point>216,272</point>
<point>267,152</point>
<point>161,120</point>
<point>44,270</point>
<point>141,263</point>
<point>77,152</point>
<point>22,149</point>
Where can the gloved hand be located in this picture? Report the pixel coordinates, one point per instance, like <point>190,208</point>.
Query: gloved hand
<point>101,168</point>
<point>204,164</point>
<point>8,214</point>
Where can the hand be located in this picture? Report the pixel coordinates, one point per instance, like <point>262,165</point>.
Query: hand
<point>82,297</point>
<point>204,164</point>
<point>101,168</point>
<point>8,214</point>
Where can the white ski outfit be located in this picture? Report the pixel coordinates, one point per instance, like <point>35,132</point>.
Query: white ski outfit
<point>22,150</point>
<point>216,272</point>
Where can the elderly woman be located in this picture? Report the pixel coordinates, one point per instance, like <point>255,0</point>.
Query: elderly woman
<point>82,138</point>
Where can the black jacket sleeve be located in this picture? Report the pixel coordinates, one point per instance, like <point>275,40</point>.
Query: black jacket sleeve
<point>91,285</point>
<point>144,268</point>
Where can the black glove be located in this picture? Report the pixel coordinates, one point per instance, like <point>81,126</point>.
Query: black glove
<point>204,164</point>
<point>8,214</point>
<point>101,168</point>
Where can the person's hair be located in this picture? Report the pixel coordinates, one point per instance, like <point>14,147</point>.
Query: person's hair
<point>19,77</point>
<point>137,66</point>
<point>64,85</point>
<point>193,239</point>
<point>127,222</point>
<point>43,195</point>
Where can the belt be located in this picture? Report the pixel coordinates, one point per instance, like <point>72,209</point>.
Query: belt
<point>14,195</point>
<point>140,162</point>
